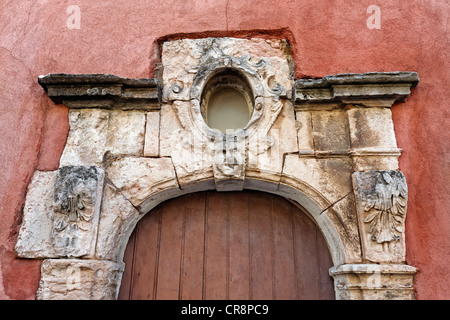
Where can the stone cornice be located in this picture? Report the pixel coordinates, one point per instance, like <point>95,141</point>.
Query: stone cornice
<point>101,91</point>
<point>374,89</point>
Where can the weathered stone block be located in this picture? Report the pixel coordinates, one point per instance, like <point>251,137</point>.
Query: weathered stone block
<point>371,128</point>
<point>304,132</point>
<point>87,137</point>
<point>117,222</point>
<point>35,235</point>
<point>93,132</point>
<point>329,176</point>
<point>330,131</point>
<point>141,178</point>
<point>72,279</point>
<point>151,147</point>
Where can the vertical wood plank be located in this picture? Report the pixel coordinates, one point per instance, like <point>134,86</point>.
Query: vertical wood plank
<point>170,250</point>
<point>192,272</point>
<point>146,256</point>
<point>326,283</point>
<point>239,251</point>
<point>305,257</point>
<point>261,247</point>
<point>128,259</point>
<point>284,264</point>
<point>216,262</point>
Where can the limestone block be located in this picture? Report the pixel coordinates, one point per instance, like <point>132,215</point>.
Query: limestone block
<point>373,281</point>
<point>72,279</point>
<point>190,151</point>
<point>381,202</point>
<point>126,132</point>
<point>170,130</point>
<point>371,128</point>
<point>93,132</point>
<point>343,215</point>
<point>87,137</point>
<point>141,178</point>
<point>304,132</point>
<point>35,240</point>
<point>330,131</point>
<point>331,177</point>
<point>178,58</point>
<point>151,147</point>
<point>61,213</point>
<point>117,221</point>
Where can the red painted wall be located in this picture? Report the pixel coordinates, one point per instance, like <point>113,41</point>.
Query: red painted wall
<point>328,36</point>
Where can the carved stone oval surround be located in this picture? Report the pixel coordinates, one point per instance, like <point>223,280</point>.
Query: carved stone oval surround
<point>326,144</point>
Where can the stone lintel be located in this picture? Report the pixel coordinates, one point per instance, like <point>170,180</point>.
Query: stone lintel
<point>374,89</point>
<point>101,91</point>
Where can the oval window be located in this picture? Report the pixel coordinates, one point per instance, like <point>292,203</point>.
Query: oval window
<point>227,102</point>
<point>227,109</point>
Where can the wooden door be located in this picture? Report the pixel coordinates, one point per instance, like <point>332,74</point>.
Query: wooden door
<point>233,245</point>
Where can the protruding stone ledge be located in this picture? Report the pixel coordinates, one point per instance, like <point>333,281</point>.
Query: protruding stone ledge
<point>101,91</point>
<point>374,89</point>
<point>374,281</point>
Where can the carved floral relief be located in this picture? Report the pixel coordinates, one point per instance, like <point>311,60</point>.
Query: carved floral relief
<point>382,201</point>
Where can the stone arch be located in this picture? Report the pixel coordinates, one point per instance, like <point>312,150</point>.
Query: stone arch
<point>306,197</point>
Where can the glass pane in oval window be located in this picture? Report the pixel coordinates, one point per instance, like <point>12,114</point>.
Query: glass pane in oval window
<point>227,109</point>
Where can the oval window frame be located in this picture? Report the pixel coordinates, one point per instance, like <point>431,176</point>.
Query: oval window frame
<point>224,79</point>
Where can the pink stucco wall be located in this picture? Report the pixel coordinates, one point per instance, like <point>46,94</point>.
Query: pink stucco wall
<point>328,36</point>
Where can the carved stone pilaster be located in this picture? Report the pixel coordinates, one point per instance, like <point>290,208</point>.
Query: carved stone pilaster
<point>381,198</point>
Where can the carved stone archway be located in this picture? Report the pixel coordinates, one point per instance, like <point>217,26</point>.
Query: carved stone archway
<point>326,144</point>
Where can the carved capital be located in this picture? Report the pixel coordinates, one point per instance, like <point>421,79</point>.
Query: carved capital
<point>373,281</point>
<point>381,207</point>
